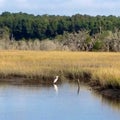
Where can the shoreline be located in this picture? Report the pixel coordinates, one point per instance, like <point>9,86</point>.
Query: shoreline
<point>107,92</point>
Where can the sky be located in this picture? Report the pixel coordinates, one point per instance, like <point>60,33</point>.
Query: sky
<point>62,7</point>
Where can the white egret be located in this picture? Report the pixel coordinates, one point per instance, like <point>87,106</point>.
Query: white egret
<point>56,79</point>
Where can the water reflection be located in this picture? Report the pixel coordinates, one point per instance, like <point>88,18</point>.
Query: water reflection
<point>78,83</point>
<point>113,103</point>
<point>75,84</point>
<point>106,100</point>
<point>55,88</point>
<point>78,89</point>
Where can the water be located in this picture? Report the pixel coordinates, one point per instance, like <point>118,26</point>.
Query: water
<point>62,102</point>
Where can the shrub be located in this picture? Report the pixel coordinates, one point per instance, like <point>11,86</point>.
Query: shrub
<point>97,45</point>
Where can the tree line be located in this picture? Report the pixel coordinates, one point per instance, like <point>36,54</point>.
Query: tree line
<point>28,26</point>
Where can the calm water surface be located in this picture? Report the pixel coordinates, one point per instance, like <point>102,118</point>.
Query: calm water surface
<point>62,102</point>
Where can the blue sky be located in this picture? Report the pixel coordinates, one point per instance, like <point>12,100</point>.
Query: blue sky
<point>62,7</point>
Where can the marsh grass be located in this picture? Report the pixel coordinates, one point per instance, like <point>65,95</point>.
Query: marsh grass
<point>92,66</point>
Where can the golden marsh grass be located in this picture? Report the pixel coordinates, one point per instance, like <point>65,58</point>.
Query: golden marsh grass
<point>101,66</point>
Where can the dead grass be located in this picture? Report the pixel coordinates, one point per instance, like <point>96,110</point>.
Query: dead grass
<point>96,66</point>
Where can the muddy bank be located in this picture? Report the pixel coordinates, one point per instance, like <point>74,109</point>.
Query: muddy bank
<point>108,92</point>
<point>20,80</point>
<point>112,93</point>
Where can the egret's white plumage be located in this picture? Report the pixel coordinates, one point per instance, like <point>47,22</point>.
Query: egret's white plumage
<point>56,79</point>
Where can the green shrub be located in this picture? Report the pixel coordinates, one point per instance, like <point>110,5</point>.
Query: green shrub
<point>98,45</point>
